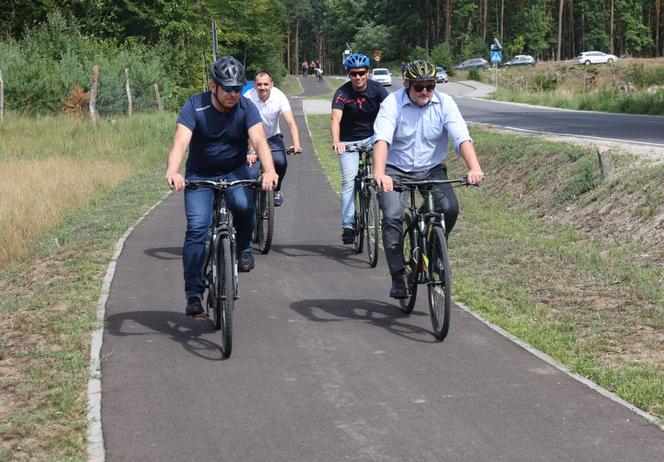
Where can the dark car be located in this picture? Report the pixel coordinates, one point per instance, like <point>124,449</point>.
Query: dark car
<point>520,60</point>
<point>475,63</point>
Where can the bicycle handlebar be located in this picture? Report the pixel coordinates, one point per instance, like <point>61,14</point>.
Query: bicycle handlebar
<point>221,184</point>
<point>409,185</point>
<point>288,151</point>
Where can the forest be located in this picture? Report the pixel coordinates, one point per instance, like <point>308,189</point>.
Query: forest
<point>47,48</point>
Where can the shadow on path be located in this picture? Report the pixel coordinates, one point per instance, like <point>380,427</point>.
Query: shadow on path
<point>184,330</point>
<point>165,253</point>
<point>345,255</point>
<point>374,312</point>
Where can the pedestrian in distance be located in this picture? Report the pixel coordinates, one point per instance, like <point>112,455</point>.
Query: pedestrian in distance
<point>271,102</point>
<point>411,141</point>
<point>305,68</point>
<point>215,126</point>
<point>354,108</point>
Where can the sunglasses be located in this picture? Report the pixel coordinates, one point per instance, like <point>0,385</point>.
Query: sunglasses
<point>419,88</point>
<point>231,89</point>
<point>357,73</point>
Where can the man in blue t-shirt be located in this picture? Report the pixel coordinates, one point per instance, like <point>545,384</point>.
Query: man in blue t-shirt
<point>354,109</point>
<point>215,125</point>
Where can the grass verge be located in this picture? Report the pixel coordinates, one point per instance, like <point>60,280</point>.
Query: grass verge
<point>49,296</point>
<point>532,255</point>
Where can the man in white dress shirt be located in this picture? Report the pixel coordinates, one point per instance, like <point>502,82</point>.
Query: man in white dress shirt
<point>271,102</point>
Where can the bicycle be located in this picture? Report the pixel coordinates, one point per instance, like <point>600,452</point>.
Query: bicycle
<point>426,255</point>
<point>264,207</point>
<point>367,210</point>
<point>220,267</point>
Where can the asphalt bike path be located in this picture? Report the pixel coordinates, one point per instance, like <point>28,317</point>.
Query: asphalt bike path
<point>324,365</point>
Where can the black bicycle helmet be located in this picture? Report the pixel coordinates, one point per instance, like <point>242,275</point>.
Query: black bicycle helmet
<point>420,70</point>
<point>228,71</point>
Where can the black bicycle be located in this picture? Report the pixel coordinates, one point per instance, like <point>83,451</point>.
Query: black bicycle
<point>264,207</point>
<point>367,210</point>
<point>426,255</point>
<point>220,268</point>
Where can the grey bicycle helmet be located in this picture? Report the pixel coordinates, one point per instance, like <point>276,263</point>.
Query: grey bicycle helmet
<point>228,71</point>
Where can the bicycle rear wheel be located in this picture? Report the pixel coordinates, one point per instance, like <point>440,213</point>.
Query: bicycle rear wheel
<point>372,220</point>
<point>410,261</point>
<point>264,220</point>
<point>440,283</point>
<point>226,295</point>
<point>212,280</point>
<point>358,243</point>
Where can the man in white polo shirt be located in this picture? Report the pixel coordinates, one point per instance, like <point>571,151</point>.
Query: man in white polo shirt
<point>271,102</point>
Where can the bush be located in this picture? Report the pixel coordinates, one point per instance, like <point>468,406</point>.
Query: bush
<point>475,74</point>
<point>441,55</point>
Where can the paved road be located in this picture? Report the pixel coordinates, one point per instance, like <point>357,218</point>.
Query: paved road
<point>324,366</point>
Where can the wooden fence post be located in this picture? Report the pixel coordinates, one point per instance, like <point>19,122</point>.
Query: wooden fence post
<point>93,94</point>
<point>129,106</point>
<point>157,95</point>
<point>2,98</point>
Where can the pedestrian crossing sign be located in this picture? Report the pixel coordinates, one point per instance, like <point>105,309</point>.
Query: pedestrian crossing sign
<point>496,56</point>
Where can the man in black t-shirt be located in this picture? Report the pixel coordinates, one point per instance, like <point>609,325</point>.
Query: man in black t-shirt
<point>354,109</point>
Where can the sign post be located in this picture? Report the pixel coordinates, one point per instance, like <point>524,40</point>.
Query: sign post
<point>496,56</point>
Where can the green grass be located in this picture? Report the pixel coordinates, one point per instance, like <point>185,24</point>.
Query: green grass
<point>580,300</point>
<point>49,300</point>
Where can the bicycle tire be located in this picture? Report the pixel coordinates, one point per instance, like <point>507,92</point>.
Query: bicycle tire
<point>226,295</point>
<point>212,279</point>
<point>440,283</point>
<point>409,243</point>
<point>264,220</point>
<point>372,220</point>
<point>358,242</point>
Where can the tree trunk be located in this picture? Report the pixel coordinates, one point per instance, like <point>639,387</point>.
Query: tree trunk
<point>570,35</point>
<point>436,30</point>
<point>611,29</point>
<point>2,98</point>
<point>296,44</point>
<point>448,20</point>
<point>502,19</point>
<point>93,94</point>
<point>128,90</point>
<point>288,55</point>
<point>485,18</point>
<point>560,28</point>
<point>658,14</point>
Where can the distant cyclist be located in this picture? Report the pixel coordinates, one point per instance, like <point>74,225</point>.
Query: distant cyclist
<point>412,130</point>
<point>215,126</point>
<point>354,109</point>
<point>270,102</point>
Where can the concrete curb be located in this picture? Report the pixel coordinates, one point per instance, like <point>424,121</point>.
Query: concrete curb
<point>96,451</point>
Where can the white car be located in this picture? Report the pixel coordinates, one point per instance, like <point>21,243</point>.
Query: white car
<point>382,76</point>
<point>595,57</point>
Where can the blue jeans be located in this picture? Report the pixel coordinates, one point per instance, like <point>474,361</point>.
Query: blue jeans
<point>280,160</point>
<point>349,163</point>
<point>198,208</point>
<point>392,205</point>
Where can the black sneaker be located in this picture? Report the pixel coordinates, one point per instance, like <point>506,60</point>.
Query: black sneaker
<point>246,262</point>
<point>194,307</point>
<point>278,199</point>
<point>348,236</point>
<point>399,289</point>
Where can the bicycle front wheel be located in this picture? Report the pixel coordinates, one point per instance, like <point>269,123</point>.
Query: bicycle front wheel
<point>358,243</point>
<point>440,283</point>
<point>264,220</point>
<point>410,262</point>
<point>372,220</point>
<point>226,295</point>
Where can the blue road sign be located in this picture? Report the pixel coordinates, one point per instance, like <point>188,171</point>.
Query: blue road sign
<point>496,56</point>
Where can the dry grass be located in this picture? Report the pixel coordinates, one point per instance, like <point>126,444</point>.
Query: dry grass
<point>41,191</point>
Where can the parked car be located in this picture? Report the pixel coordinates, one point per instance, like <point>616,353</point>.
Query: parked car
<point>441,75</point>
<point>520,60</point>
<point>382,76</point>
<point>475,63</point>
<point>595,57</point>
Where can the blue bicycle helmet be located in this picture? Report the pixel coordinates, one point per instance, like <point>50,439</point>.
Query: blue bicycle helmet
<point>357,60</point>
